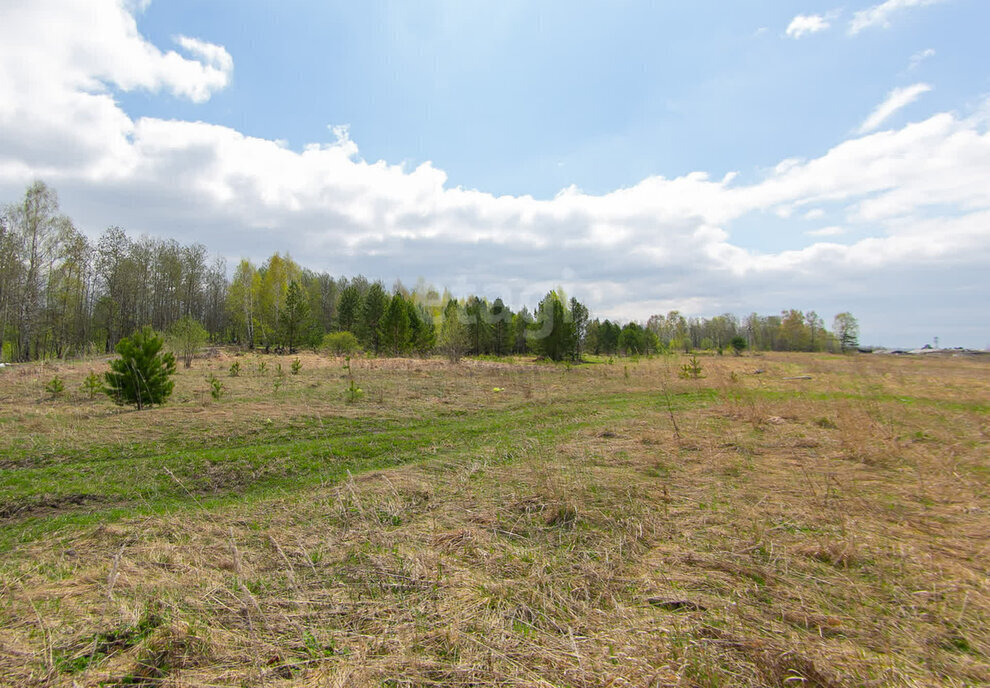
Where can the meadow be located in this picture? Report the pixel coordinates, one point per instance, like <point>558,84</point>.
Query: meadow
<point>783,520</point>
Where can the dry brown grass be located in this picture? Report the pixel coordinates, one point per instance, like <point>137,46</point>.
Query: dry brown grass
<point>816,533</point>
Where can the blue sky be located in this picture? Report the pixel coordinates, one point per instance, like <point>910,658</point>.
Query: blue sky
<point>704,156</point>
<point>530,97</point>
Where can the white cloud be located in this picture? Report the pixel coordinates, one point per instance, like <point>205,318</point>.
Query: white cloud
<point>918,194</point>
<point>879,15</point>
<point>806,24</point>
<point>896,99</point>
<point>814,214</point>
<point>920,57</point>
<point>826,231</point>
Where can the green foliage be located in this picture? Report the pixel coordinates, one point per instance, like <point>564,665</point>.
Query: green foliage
<point>393,328</point>
<point>501,322</point>
<point>353,392</point>
<point>452,341</point>
<point>422,334</point>
<point>294,316</point>
<point>262,366</point>
<point>846,329</point>
<point>185,337</point>
<point>738,345</point>
<point>632,339</point>
<point>479,329</point>
<point>92,385</point>
<point>375,303</point>
<point>235,369</point>
<point>142,375</point>
<point>521,322</point>
<point>340,343</point>
<point>604,337</point>
<point>691,370</point>
<point>349,308</point>
<point>296,366</point>
<point>552,335</point>
<point>216,387</point>
<point>55,387</point>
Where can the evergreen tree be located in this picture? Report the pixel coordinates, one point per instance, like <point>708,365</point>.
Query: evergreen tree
<point>349,308</point>
<point>632,339</point>
<point>294,317</point>
<point>393,328</point>
<point>846,329</point>
<point>521,322</point>
<point>479,329</point>
<point>501,328</point>
<point>142,374</point>
<point>453,340</point>
<point>422,334</point>
<point>552,335</point>
<point>608,337</point>
<point>375,303</point>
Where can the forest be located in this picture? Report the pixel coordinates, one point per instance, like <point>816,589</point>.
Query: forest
<point>63,296</point>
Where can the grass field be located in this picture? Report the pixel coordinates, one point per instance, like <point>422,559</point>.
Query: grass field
<point>501,523</point>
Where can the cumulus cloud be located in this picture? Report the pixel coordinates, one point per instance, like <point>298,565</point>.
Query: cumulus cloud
<point>896,99</point>
<point>917,194</point>
<point>879,15</point>
<point>803,25</point>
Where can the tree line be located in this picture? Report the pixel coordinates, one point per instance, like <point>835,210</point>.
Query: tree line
<point>63,295</point>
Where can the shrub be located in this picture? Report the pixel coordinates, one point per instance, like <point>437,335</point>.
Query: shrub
<point>738,345</point>
<point>186,336</point>
<point>55,387</point>
<point>296,366</point>
<point>340,343</point>
<point>142,375</point>
<point>692,369</point>
<point>353,392</point>
<point>216,387</point>
<point>235,369</point>
<point>92,385</point>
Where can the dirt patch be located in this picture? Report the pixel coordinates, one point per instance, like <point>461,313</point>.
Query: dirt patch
<point>47,505</point>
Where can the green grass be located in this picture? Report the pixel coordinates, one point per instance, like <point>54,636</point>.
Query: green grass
<point>877,396</point>
<point>437,532</point>
<point>113,481</point>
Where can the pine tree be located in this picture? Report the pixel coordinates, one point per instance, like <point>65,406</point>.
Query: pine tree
<point>142,374</point>
<point>552,335</point>
<point>422,335</point>
<point>294,316</point>
<point>375,303</point>
<point>453,340</point>
<point>349,309</point>
<point>501,324</point>
<point>393,328</point>
<point>846,329</point>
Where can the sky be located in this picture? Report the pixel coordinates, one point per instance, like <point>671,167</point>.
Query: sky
<point>703,156</point>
